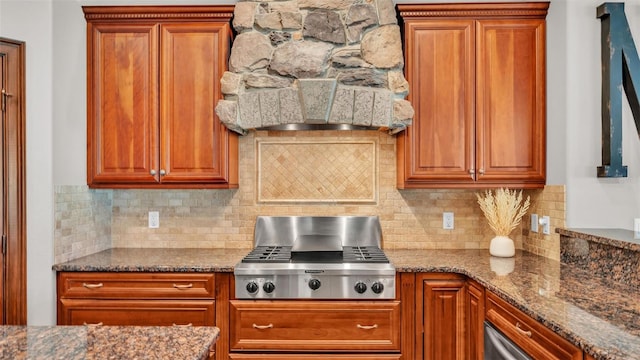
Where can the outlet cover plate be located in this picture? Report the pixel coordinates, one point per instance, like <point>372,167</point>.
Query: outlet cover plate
<point>154,219</point>
<point>534,223</point>
<point>447,221</point>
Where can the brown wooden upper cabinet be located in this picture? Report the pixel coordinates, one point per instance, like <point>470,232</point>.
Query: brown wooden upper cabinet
<point>477,83</point>
<point>153,76</point>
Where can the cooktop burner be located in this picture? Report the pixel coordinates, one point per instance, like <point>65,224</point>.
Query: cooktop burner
<point>350,254</point>
<point>308,257</point>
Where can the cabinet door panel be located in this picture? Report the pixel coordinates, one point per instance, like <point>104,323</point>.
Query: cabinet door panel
<point>441,317</point>
<point>122,129</point>
<point>440,68</point>
<point>475,321</point>
<point>193,139</point>
<point>510,100</point>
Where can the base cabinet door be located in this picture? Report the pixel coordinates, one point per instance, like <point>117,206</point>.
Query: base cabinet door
<point>440,317</point>
<point>475,321</point>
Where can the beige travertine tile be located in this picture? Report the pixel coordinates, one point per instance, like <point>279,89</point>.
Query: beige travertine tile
<point>225,218</point>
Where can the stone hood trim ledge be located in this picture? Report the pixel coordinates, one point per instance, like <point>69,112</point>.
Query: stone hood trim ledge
<point>335,63</point>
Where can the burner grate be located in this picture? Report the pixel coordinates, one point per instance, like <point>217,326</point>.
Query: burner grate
<point>350,254</point>
<point>270,254</point>
<point>364,254</point>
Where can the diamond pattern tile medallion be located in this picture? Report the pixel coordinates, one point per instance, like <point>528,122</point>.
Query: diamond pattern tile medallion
<point>316,171</point>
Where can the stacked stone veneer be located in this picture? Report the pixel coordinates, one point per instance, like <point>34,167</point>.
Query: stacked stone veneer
<point>315,62</point>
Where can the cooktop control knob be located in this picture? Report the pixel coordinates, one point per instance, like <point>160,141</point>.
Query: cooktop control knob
<point>314,284</point>
<point>268,287</point>
<point>360,287</point>
<point>252,287</point>
<point>377,287</point>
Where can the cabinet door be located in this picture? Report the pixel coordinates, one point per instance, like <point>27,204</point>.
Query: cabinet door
<point>195,145</point>
<point>122,104</point>
<point>439,146</point>
<point>475,321</point>
<point>440,319</point>
<point>510,104</point>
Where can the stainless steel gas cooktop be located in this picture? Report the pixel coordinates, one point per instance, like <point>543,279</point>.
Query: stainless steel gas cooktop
<point>305,257</point>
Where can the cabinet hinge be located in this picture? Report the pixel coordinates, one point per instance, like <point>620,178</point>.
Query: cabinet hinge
<point>4,244</point>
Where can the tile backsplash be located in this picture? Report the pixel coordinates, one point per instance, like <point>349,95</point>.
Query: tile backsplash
<point>82,221</point>
<point>225,218</point>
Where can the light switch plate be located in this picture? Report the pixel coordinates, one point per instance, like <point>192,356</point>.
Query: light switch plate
<point>546,225</point>
<point>534,223</point>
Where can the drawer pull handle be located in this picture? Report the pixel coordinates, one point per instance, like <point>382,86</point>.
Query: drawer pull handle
<point>262,327</point>
<point>92,286</point>
<point>98,324</point>
<point>183,287</point>
<point>523,332</point>
<point>183,325</point>
<point>367,327</point>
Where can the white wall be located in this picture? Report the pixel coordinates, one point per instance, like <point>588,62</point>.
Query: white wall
<point>591,201</point>
<point>31,21</point>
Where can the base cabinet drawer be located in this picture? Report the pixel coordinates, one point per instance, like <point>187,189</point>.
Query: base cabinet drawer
<point>314,357</point>
<point>531,336</point>
<point>135,285</point>
<point>361,326</point>
<point>137,312</point>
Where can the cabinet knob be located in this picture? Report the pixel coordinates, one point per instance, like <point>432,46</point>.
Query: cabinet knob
<point>481,171</point>
<point>152,172</point>
<point>162,172</point>
<point>472,172</point>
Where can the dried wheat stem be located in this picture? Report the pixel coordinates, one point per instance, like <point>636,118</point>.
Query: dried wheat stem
<point>503,210</point>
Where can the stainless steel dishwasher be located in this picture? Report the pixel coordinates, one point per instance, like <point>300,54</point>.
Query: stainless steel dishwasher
<point>499,347</point>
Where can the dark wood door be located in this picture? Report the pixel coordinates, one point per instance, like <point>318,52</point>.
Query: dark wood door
<point>510,104</point>
<point>440,317</point>
<point>13,269</point>
<point>122,103</point>
<point>439,147</point>
<point>193,141</point>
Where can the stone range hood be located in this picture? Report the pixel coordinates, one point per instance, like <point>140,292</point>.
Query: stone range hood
<point>315,64</point>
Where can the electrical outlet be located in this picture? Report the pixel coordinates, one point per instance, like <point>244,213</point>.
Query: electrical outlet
<point>545,221</point>
<point>636,228</point>
<point>154,219</point>
<point>534,223</point>
<point>447,220</point>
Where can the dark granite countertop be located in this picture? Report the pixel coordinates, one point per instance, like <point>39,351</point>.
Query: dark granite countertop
<point>598,317</point>
<point>157,260</point>
<point>106,342</point>
<point>621,238</point>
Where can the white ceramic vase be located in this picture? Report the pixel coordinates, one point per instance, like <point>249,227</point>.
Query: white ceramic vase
<point>502,246</point>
